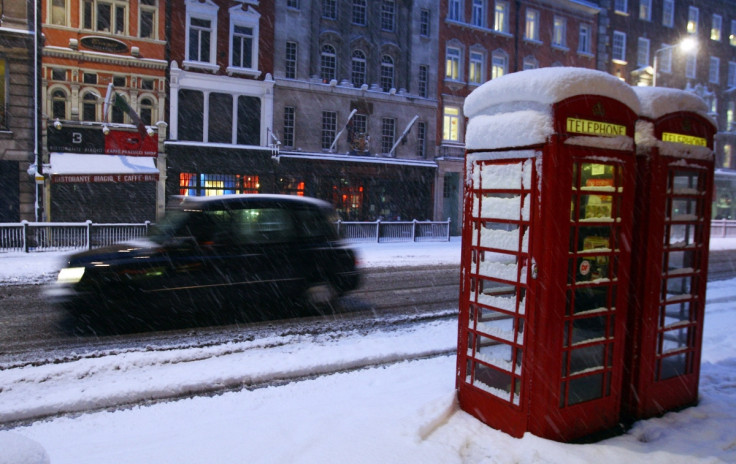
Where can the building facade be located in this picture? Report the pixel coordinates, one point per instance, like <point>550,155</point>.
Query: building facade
<point>648,36</point>
<point>18,116</point>
<point>221,94</point>
<point>355,104</point>
<point>103,99</point>
<point>483,40</point>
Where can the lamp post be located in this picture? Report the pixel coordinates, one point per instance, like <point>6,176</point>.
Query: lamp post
<point>687,44</point>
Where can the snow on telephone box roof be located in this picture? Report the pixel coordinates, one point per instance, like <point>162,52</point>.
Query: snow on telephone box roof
<point>657,102</point>
<point>516,109</point>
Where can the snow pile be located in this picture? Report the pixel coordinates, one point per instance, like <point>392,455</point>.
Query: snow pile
<point>515,110</point>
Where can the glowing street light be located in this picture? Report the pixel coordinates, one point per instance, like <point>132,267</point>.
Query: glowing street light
<point>688,44</point>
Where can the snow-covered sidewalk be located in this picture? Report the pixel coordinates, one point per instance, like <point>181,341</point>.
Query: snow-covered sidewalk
<point>403,412</point>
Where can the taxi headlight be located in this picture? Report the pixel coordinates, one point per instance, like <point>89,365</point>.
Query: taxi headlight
<point>70,275</point>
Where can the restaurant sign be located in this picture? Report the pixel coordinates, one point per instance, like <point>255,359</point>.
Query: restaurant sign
<point>102,178</point>
<point>91,140</point>
<point>103,44</point>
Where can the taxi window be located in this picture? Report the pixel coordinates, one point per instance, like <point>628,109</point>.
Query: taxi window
<point>262,225</point>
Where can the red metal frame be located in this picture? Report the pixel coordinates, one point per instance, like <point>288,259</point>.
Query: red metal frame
<point>568,384</point>
<point>671,250</point>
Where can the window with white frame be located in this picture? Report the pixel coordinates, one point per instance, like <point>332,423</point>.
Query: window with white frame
<point>105,16</point>
<point>454,10</point>
<point>692,20</point>
<point>388,15</point>
<point>328,63</point>
<point>290,60</point>
<point>201,40</point>
<point>585,39</point>
<point>499,64</point>
<point>668,13</point>
<point>148,19</point>
<point>452,63</point>
<point>423,81</point>
<point>501,16</point>
<point>618,49</point>
<point>90,107</point>
<point>360,12</point>
<point>730,115</point>
<point>329,128</point>
<point>621,6</point>
<point>642,52</point>
<point>421,139</point>
<point>244,31</point>
<point>645,10</point>
<point>329,9</point>
<point>731,82</point>
<point>424,22</point>
<point>146,110</point>
<point>387,73</point>
<point>358,68</point>
<point>451,124</point>
<point>289,121</point>
<point>57,12</point>
<point>531,28</point>
<point>690,65</point>
<point>292,4</point>
<point>530,63</point>
<point>732,36</point>
<point>664,63</point>
<point>559,31</point>
<point>475,68</point>
<point>388,134</point>
<point>58,103</point>
<point>714,70</point>
<point>716,28</point>
<point>478,13</point>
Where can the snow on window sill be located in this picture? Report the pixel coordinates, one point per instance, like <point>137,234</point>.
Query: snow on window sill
<point>246,71</point>
<point>201,65</point>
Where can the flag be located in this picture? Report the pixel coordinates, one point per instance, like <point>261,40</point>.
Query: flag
<point>108,98</point>
<point>122,105</point>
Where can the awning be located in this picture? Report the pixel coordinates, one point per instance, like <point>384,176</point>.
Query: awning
<point>82,168</point>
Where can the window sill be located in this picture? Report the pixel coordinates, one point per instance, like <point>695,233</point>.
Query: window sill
<point>200,65</point>
<point>586,54</point>
<point>560,48</point>
<point>243,71</point>
<point>623,62</point>
<point>533,41</point>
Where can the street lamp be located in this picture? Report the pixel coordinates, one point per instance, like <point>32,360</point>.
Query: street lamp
<point>686,45</point>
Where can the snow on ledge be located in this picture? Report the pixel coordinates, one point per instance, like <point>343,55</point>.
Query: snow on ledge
<point>659,101</point>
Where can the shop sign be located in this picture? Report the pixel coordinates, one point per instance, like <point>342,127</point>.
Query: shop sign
<point>103,44</point>
<point>685,139</point>
<point>102,178</point>
<point>585,126</point>
<point>91,140</point>
<point>130,144</point>
<point>76,140</point>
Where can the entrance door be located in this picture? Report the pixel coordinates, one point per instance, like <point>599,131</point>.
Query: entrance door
<point>451,200</point>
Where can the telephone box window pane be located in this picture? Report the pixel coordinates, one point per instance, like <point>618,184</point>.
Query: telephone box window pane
<point>596,207</point>
<point>676,314</point>
<point>496,382</point>
<point>492,352</point>
<point>588,329</point>
<point>673,366</point>
<point>504,236</point>
<point>684,209</point>
<point>590,299</point>
<point>499,295</point>
<point>678,287</point>
<point>594,239</point>
<point>496,324</point>
<point>585,389</point>
<point>681,235</point>
<point>586,359</point>
<point>674,340</point>
<point>680,261</point>
<point>685,182</point>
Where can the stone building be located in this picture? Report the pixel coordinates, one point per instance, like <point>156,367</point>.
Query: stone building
<point>18,117</point>
<point>355,103</point>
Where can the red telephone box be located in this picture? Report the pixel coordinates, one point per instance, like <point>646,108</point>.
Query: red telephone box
<point>548,204</point>
<point>674,191</point>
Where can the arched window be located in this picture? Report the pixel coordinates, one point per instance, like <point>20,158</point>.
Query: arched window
<point>328,63</point>
<point>117,115</point>
<point>358,71</point>
<point>146,109</point>
<point>387,73</point>
<point>89,107</point>
<point>58,104</point>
